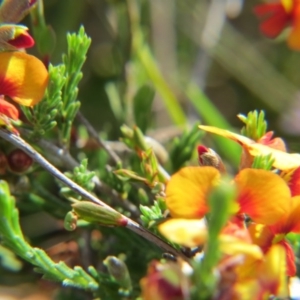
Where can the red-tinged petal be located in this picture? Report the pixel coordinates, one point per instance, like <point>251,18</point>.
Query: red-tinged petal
<point>275,18</point>
<point>261,235</point>
<point>189,233</point>
<point>187,191</point>
<point>272,272</point>
<point>23,77</point>
<point>276,143</point>
<point>290,258</point>
<point>294,37</point>
<point>263,195</point>
<point>8,109</point>
<point>267,10</point>
<point>282,160</point>
<point>273,26</point>
<point>22,40</point>
<point>291,221</point>
<point>293,179</point>
<point>164,282</point>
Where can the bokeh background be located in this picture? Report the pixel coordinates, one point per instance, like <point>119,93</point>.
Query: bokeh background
<point>216,44</point>
<point>212,47</point>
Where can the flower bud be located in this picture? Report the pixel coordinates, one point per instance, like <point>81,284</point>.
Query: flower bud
<point>70,221</point>
<point>208,157</point>
<point>95,213</point>
<point>19,161</point>
<point>118,270</point>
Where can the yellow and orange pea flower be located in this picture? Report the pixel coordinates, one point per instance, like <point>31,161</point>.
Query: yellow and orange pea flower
<point>23,79</point>
<point>272,202</point>
<point>278,16</point>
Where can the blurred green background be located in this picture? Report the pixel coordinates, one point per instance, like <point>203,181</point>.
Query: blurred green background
<point>215,44</point>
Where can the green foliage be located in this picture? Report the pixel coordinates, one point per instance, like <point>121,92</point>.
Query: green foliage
<point>12,238</point>
<point>264,162</point>
<point>142,103</point>
<point>221,204</point>
<point>255,125</point>
<point>78,45</point>
<point>44,34</point>
<point>150,215</point>
<point>82,176</point>
<point>183,147</point>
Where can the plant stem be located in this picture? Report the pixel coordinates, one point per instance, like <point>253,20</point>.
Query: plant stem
<point>38,158</point>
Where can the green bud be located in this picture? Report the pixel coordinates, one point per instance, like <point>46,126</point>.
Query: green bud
<point>125,175</point>
<point>95,213</point>
<point>127,131</point>
<point>118,270</point>
<point>70,221</point>
<point>139,138</point>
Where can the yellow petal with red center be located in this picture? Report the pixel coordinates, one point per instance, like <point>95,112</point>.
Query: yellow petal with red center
<point>23,77</point>
<point>291,221</point>
<point>263,195</point>
<point>189,233</point>
<point>282,160</point>
<point>187,190</point>
<point>272,272</point>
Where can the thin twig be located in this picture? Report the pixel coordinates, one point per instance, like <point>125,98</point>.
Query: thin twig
<point>38,158</point>
<point>63,158</point>
<point>94,134</point>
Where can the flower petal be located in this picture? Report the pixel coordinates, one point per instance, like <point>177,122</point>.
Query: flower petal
<point>189,233</point>
<point>13,11</point>
<point>289,222</point>
<point>294,37</point>
<point>261,235</point>
<point>275,18</point>
<point>293,181</point>
<point>23,77</point>
<point>263,195</point>
<point>8,109</point>
<point>290,258</point>
<point>272,272</point>
<point>282,160</point>
<point>187,191</point>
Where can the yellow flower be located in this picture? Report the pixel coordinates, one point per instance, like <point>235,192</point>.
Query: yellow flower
<point>23,78</point>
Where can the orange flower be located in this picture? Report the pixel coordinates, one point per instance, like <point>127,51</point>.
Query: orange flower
<point>265,236</point>
<point>275,147</point>
<point>165,282</point>
<point>187,193</point>
<point>277,16</point>
<point>268,276</point>
<point>23,78</point>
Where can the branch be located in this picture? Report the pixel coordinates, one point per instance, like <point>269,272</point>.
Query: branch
<point>131,225</point>
<point>94,134</point>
